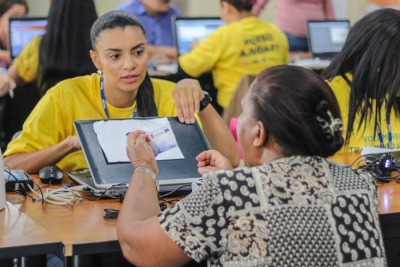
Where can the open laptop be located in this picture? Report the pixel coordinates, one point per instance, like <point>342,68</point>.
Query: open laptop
<point>188,30</point>
<point>113,177</point>
<point>327,37</point>
<point>21,30</point>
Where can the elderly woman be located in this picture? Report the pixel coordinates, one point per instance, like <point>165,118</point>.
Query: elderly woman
<point>288,207</point>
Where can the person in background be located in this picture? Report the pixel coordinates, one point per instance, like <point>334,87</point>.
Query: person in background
<point>245,45</point>
<point>157,18</point>
<point>121,88</point>
<point>365,78</point>
<point>60,53</point>
<point>289,206</point>
<point>9,8</point>
<point>291,16</point>
<point>373,5</point>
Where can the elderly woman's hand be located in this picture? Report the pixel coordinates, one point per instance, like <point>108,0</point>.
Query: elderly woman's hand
<point>212,160</point>
<point>6,84</point>
<point>139,151</point>
<point>187,95</point>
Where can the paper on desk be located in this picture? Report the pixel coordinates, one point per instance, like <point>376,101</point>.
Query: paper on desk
<point>367,150</point>
<point>112,137</point>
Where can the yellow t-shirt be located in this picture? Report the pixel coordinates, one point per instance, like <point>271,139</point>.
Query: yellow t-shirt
<point>242,47</point>
<point>79,98</point>
<point>27,62</point>
<point>360,138</point>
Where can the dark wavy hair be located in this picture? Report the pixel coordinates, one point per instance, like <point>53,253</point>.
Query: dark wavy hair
<point>146,106</point>
<point>65,45</point>
<point>371,55</point>
<point>5,5</point>
<point>241,5</point>
<point>287,100</point>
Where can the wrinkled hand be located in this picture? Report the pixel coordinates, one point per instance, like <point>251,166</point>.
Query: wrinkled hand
<point>187,95</point>
<point>139,151</point>
<point>211,161</point>
<point>6,84</point>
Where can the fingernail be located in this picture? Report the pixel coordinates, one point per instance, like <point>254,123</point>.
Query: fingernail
<point>192,121</point>
<point>187,121</point>
<point>196,111</point>
<point>181,119</point>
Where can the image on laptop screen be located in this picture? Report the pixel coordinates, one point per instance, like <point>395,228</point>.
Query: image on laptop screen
<point>191,29</point>
<point>22,30</point>
<point>326,38</point>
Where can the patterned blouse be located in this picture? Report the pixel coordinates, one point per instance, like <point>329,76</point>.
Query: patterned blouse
<point>297,211</point>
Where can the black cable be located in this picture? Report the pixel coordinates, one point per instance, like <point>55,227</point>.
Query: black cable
<point>356,160</point>
<point>173,191</point>
<point>104,192</point>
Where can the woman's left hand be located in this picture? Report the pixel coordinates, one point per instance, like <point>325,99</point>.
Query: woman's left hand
<point>139,151</point>
<point>211,161</point>
<point>187,95</point>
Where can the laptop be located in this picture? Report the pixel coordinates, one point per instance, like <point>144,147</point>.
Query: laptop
<point>188,30</point>
<point>327,37</point>
<point>21,30</point>
<point>174,176</point>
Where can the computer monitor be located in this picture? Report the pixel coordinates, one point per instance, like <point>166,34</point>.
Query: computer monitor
<point>191,29</point>
<point>22,30</point>
<point>327,37</point>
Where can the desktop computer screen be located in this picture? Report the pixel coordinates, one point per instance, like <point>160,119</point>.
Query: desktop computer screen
<point>22,30</point>
<point>327,36</point>
<point>191,29</point>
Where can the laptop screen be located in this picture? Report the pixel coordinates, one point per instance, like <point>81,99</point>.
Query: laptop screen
<point>327,37</point>
<point>193,29</point>
<point>22,30</point>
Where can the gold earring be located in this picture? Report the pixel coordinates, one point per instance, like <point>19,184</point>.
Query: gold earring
<point>100,71</point>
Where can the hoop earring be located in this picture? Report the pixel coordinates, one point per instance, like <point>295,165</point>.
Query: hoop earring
<point>99,71</point>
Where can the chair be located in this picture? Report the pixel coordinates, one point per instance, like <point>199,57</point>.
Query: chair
<point>234,108</point>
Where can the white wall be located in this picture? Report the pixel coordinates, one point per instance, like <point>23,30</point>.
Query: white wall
<point>195,8</point>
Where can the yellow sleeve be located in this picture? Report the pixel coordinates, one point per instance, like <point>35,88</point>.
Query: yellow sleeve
<point>44,127</point>
<point>204,56</point>
<point>27,62</point>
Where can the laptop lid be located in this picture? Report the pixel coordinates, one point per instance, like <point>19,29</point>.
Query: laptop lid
<point>327,37</point>
<point>188,30</point>
<point>172,173</point>
<point>21,30</point>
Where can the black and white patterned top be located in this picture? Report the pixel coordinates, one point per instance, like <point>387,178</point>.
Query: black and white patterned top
<point>297,211</point>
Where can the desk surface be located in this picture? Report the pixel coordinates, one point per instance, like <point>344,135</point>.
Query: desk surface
<point>22,236</point>
<point>83,230</point>
<point>389,192</point>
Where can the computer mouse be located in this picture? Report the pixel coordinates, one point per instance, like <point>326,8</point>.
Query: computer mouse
<point>51,174</point>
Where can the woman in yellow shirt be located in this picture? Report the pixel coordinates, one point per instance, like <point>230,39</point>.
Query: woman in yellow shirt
<point>365,78</point>
<point>122,90</point>
<point>245,45</point>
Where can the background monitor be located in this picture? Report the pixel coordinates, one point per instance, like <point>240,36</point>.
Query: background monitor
<point>190,29</point>
<point>327,37</point>
<point>22,30</point>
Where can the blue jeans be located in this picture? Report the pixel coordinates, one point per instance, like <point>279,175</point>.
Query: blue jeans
<point>297,44</point>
